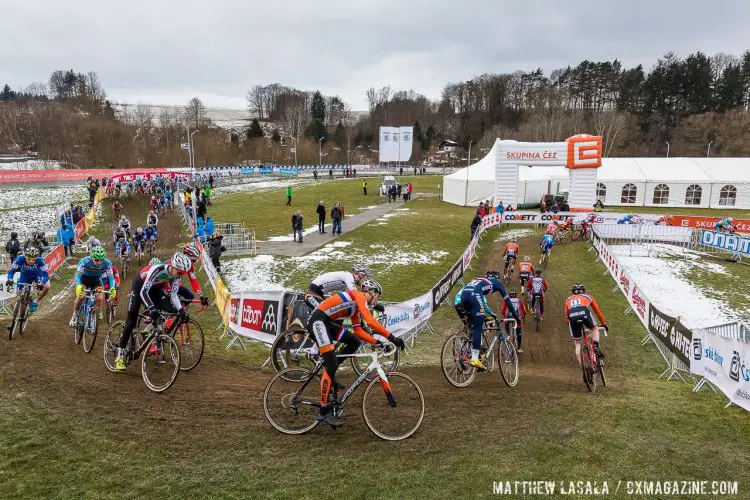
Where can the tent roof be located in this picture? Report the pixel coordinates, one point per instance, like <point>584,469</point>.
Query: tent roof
<point>620,169</point>
<point>672,170</point>
<point>725,169</point>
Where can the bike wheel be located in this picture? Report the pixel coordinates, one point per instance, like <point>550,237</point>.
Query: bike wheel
<point>390,363</point>
<point>600,370</point>
<point>160,364</point>
<point>291,349</point>
<point>14,323</point>
<point>124,269</point>
<point>189,337</point>
<point>288,406</point>
<point>90,332</point>
<point>112,344</point>
<point>576,235</point>
<point>454,359</point>
<point>24,317</point>
<point>507,358</point>
<point>80,326</point>
<point>588,370</point>
<point>397,412</point>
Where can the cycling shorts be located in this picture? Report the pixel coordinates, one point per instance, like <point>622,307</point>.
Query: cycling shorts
<point>509,256</point>
<point>524,277</point>
<point>324,330</point>
<point>579,317</point>
<point>472,303</point>
<point>546,247</point>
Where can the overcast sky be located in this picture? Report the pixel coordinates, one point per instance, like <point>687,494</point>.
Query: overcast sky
<point>167,51</point>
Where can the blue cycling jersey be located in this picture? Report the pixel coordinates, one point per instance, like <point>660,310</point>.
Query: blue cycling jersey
<point>34,272</point>
<point>119,248</point>
<point>548,241</point>
<point>86,267</point>
<point>151,234</point>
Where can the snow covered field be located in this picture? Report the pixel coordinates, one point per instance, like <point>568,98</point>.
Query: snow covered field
<point>259,185</point>
<point>20,210</point>
<point>664,278</point>
<point>30,165</point>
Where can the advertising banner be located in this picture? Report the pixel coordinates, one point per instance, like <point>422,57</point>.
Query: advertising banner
<point>741,226</point>
<point>131,176</point>
<point>79,230</point>
<point>536,217</point>
<point>288,171</point>
<point>729,242</point>
<point>443,287</point>
<point>469,252</point>
<point>671,333</point>
<point>256,315</point>
<point>55,259</point>
<point>725,363</point>
<point>405,316</point>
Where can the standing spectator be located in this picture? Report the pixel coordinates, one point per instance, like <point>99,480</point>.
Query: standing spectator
<point>215,249</point>
<point>298,226</point>
<point>364,186</point>
<point>321,217</point>
<point>543,207</point>
<point>92,192</point>
<point>411,189</point>
<point>294,225</point>
<point>13,247</point>
<point>555,208</point>
<point>481,210</point>
<point>211,181</point>
<point>354,172</point>
<point>398,191</point>
<point>315,174</point>
<point>201,210</point>
<point>65,236</point>
<point>475,224</point>
<point>209,226</point>
<point>336,216</point>
<point>401,171</point>
<point>509,208</point>
<point>330,173</point>
<point>289,195</point>
<point>415,170</point>
<point>500,208</point>
<point>207,194</point>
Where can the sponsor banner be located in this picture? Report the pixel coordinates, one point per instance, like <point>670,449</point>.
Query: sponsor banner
<point>443,287</point>
<point>724,362</point>
<point>131,176</point>
<point>25,176</point>
<point>288,171</point>
<point>247,170</point>
<point>671,333</point>
<point>741,226</point>
<point>55,259</point>
<point>469,252</point>
<point>536,217</point>
<point>79,230</point>
<point>406,316</point>
<point>256,315</point>
<point>265,170</point>
<point>729,242</point>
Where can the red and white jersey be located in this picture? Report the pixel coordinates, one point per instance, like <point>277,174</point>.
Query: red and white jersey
<point>552,229</point>
<point>537,285</point>
<point>337,281</point>
<point>158,275</point>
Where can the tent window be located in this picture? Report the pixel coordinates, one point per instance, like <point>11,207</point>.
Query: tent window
<point>693,195</point>
<point>661,194</point>
<point>601,192</point>
<point>728,195</point>
<point>628,193</point>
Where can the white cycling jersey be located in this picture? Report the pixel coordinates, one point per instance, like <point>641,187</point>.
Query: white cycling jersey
<point>337,281</point>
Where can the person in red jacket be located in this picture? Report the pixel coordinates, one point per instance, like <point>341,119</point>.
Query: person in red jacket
<point>520,308</point>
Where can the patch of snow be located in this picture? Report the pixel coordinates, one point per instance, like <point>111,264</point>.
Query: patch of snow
<point>290,236</point>
<point>663,279</point>
<point>515,234</point>
<point>32,196</point>
<point>369,208</point>
<point>31,165</point>
<point>257,186</point>
<point>385,255</point>
<point>251,274</point>
<point>401,209</point>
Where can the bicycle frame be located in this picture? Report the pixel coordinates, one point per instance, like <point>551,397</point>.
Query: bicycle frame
<point>507,322</point>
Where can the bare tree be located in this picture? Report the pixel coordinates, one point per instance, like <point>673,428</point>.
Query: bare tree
<point>256,101</point>
<point>195,113</point>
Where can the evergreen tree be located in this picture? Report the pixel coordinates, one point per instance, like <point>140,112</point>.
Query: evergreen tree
<point>339,136</point>
<point>730,91</point>
<point>254,130</point>
<point>318,107</point>
<point>316,129</point>
<point>108,111</point>
<point>7,94</point>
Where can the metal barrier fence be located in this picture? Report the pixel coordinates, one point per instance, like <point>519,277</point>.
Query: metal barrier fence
<point>735,330</point>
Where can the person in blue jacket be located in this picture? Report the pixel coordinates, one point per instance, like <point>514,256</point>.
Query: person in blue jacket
<point>33,270</point>
<point>209,226</point>
<point>65,236</point>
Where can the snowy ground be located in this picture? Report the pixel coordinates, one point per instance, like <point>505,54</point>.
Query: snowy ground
<point>663,277</point>
<point>30,165</point>
<point>20,209</point>
<point>258,186</point>
<point>515,234</point>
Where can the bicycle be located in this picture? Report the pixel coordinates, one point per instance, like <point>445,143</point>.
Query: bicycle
<point>509,268</point>
<point>21,314</point>
<point>124,264</point>
<point>158,348</point>
<point>562,236</point>
<point>291,408</point>
<point>138,251</point>
<point>190,341</point>
<point>456,354</point>
<point>87,326</point>
<point>150,244</point>
<point>544,259</point>
<point>111,307</point>
<point>578,233</point>
<point>591,364</point>
<point>537,312</point>
<point>292,348</point>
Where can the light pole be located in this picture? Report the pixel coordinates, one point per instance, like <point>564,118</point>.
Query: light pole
<point>295,149</point>
<point>709,149</point>
<point>468,160</point>
<point>192,147</point>
<point>667,149</point>
<point>320,151</point>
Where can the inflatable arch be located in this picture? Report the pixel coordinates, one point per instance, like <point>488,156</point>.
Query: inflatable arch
<point>580,154</point>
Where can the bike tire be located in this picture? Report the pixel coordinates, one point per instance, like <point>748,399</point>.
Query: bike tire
<point>600,370</point>
<point>283,356</point>
<point>576,235</point>
<point>588,372</point>
<point>24,318</point>
<point>454,360</point>
<point>357,363</point>
<point>191,344</point>
<point>282,402</point>
<point>14,321</point>
<point>78,330</point>
<point>402,400</point>
<point>152,362</point>
<point>111,344</point>
<point>89,333</point>
<point>507,358</point>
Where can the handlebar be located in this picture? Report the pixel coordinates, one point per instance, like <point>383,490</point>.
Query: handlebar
<point>186,302</point>
<point>603,330</point>
<point>511,321</point>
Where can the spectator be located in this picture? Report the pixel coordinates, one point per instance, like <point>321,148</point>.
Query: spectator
<point>330,173</point>
<point>209,226</point>
<point>321,217</point>
<point>509,208</point>
<point>315,174</point>
<point>398,191</point>
<point>336,215</point>
<point>38,240</point>
<point>354,172</point>
<point>364,186</point>
<point>215,249</point>
<point>207,194</point>
<point>598,206</point>
<point>65,237</point>
<point>500,208</point>
<point>555,208</point>
<point>13,246</point>
<point>401,171</point>
<point>294,225</point>
<point>211,180</point>
<point>200,230</point>
<point>475,224</point>
<point>411,188</point>
<point>481,211</point>
<point>201,210</point>
<point>543,207</point>
<point>289,195</point>
<point>405,191</point>
<point>415,170</point>
<point>298,226</point>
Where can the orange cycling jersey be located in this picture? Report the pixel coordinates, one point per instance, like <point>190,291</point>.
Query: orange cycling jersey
<point>526,267</point>
<point>352,304</point>
<point>511,247</point>
<point>584,300</point>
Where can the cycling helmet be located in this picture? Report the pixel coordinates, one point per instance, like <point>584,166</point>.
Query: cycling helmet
<point>361,269</point>
<point>492,274</point>
<point>538,272</point>
<point>139,230</point>
<point>578,288</point>
<point>512,293</point>
<point>14,235</point>
<point>154,262</point>
<point>121,239</point>
<point>153,198</point>
<point>98,253</point>
<point>31,252</point>
<point>181,262</point>
<point>371,284</point>
<point>729,219</point>
<point>122,217</point>
<point>526,257</point>
<point>192,252</point>
<point>555,223</point>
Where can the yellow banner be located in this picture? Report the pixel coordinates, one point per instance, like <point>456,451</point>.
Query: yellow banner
<point>223,296</point>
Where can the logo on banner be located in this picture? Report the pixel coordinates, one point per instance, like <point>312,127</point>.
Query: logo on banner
<point>444,286</point>
<point>383,320</point>
<point>252,314</point>
<point>584,152</point>
<point>406,137</point>
<point>715,356</point>
<point>697,349</point>
<point>420,308</point>
<point>734,367</point>
<point>395,319</point>
<point>233,308</point>
<point>269,320</point>
<point>386,137</point>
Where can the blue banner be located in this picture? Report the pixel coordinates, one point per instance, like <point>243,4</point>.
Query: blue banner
<point>289,171</point>
<point>266,170</point>
<point>729,242</point>
<point>247,170</point>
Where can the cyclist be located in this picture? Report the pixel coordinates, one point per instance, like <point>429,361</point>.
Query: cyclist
<point>326,329</point>
<point>105,284</point>
<point>125,225</point>
<point>116,207</point>
<point>510,253</point>
<point>520,309</point>
<point>567,226</point>
<point>474,303</point>
<point>122,248</point>
<point>578,316</point>
<point>337,281</point>
<point>150,288</point>
<point>154,203</point>
<point>548,241</point>
<point>525,271</point>
<point>537,287</point>
<point>152,218</point>
<point>151,233</point>
<point>33,270</point>
<point>194,255</point>
<point>91,243</point>
<point>139,240</point>
<point>587,222</point>
<point>725,225</point>
<point>119,234</point>
<point>552,228</point>
<point>92,270</point>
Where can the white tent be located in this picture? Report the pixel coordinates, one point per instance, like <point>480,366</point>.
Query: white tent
<point>652,182</point>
